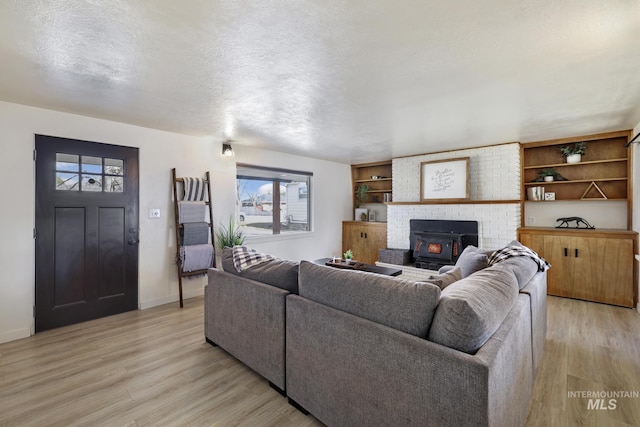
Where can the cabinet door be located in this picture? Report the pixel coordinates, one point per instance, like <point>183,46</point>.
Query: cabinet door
<point>375,238</point>
<point>560,275</point>
<point>603,270</point>
<point>365,240</point>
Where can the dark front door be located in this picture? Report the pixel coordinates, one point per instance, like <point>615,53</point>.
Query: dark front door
<point>86,231</point>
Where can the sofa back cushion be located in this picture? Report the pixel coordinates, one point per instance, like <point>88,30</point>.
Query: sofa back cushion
<point>400,304</point>
<point>472,309</point>
<point>447,277</point>
<point>279,273</point>
<point>472,259</point>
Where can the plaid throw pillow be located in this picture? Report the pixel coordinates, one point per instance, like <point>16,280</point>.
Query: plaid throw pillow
<point>513,250</point>
<point>244,258</point>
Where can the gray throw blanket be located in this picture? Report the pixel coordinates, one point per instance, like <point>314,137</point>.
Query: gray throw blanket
<point>196,257</point>
<point>195,233</point>
<point>191,212</point>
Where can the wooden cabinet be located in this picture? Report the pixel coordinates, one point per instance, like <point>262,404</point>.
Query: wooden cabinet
<point>365,239</point>
<point>377,176</point>
<point>592,265</point>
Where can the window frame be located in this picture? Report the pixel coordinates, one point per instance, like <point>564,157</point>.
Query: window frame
<point>278,177</point>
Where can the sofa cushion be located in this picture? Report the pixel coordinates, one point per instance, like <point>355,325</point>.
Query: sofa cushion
<point>524,269</point>
<point>276,272</point>
<point>445,279</point>
<point>472,259</point>
<point>472,309</point>
<point>400,304</point>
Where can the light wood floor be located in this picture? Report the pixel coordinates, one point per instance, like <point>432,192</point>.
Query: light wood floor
<point>153,367</point>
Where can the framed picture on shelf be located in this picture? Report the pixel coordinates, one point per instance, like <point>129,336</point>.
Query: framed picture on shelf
<point>442,180</point>
<point>372,216</point>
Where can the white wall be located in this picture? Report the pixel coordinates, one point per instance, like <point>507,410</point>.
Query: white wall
<point>159,152</point>
<point>494,175</point>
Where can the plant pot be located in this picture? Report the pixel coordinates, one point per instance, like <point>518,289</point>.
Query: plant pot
<point>574,158</point>
<point>548,178</point>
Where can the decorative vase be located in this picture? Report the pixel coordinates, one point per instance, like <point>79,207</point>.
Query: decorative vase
<point>574,158</point>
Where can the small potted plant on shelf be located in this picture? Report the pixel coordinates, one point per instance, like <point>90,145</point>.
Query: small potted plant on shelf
<point>574,152</point>
<point>348,256</point>
<point>361,194</point>
<point>548,174</point>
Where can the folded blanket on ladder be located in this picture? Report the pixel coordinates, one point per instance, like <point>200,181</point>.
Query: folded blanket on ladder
<point>191,212</point>
<point>194,188</point>
<point>195,233</point>
<point>196,257</point>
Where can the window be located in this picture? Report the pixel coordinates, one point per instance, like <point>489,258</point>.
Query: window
<point>87,173</point>
<point>272,201</point>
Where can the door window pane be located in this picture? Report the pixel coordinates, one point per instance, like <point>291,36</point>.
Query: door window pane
<point>114,167</point>
<point>113,184</point>
<point>67,162</point>
<point>91,164</point>
<point>91,182</point>
<point>67,181</point>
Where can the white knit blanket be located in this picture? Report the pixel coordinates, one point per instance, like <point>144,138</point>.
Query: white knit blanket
<point>517,250</point>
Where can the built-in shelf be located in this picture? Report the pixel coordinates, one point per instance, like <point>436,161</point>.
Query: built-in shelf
<point>372,180</point>
<point>573,181</point>
<point>361,175</point>
<point>458,202</point>
<point>592,162</point>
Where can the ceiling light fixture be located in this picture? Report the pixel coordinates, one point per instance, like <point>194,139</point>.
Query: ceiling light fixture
<point>227,150</point>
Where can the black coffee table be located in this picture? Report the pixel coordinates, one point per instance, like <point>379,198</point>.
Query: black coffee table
<point>359,266</point>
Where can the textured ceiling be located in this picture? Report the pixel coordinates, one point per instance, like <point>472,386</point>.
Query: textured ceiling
<point>350,80</point>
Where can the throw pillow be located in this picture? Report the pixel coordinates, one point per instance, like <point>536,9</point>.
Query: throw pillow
<point>276,272</point>
<point>472,309</point>
<point>471,260</point>
<point>445,279</point>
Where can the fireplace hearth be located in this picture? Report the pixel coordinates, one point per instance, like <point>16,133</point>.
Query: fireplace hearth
<point>436,243</point>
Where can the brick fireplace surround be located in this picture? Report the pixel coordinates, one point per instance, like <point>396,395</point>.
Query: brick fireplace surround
<point>494,175</point>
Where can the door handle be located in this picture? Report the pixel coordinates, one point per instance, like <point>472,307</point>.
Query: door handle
<point>576,252</point>
<point>365,235</point>
<point>566,252</point>
<point>133,242</point>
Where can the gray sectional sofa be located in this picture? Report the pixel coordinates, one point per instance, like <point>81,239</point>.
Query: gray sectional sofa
<point>244,314</point>
<point>360,349</point>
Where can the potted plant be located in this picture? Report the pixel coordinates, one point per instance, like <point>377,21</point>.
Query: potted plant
<point>361,194</point>
<point>574,152</point>
<point>548,174</point>
<point>348,256</point>
<point>229,235</point>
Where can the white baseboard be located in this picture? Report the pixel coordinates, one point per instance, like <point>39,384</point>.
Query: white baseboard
<point>171,298</point>
<point>15,335</point>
